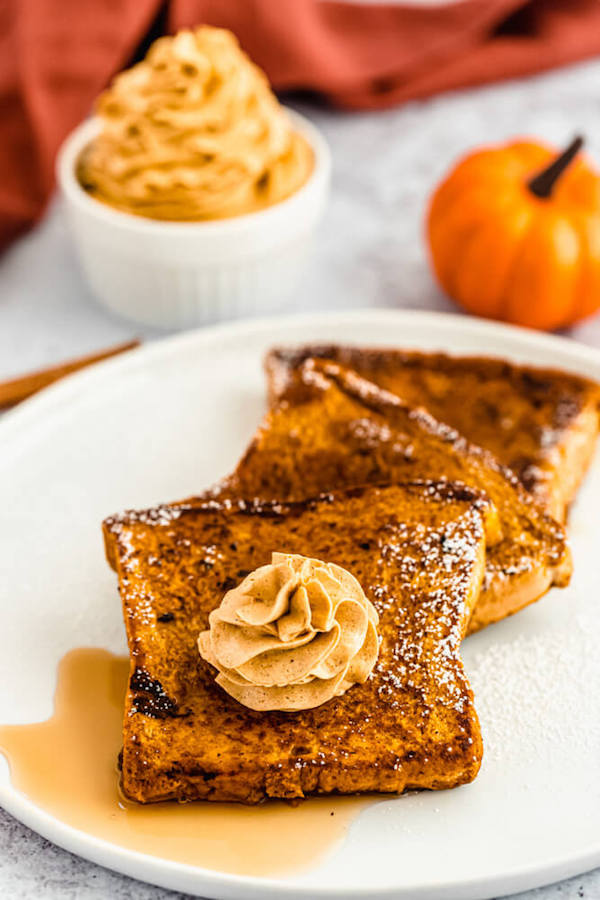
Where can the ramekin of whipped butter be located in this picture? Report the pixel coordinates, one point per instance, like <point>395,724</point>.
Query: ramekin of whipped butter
<point>192,193</point>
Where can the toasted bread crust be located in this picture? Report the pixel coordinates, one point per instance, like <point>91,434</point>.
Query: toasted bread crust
<point>335,429</point>
<point>540,422</point>
<point>418,551</point>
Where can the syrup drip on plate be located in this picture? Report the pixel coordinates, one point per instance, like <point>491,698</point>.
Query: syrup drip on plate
<point>67,766</point>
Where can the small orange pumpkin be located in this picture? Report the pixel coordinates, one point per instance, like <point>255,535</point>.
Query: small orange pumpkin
<point>514,234</point>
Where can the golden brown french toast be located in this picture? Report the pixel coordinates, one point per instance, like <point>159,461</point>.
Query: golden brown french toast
<point>334,429</point>
<point>541,423</point>
<point>418,551</point>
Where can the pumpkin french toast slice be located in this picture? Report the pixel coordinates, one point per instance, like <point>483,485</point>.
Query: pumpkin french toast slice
<point>541,423</point>
<point>417,550</point>
<point>335,429</point>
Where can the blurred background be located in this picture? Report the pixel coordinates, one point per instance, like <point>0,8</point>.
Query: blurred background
<point>400,91</point>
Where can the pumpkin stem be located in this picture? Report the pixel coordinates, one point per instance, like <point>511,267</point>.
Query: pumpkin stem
<point>543,183</point>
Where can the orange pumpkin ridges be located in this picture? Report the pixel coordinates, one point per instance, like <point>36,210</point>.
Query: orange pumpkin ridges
<point>514,234</point>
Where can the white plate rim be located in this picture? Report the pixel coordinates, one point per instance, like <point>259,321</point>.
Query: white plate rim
<point>197,880</point>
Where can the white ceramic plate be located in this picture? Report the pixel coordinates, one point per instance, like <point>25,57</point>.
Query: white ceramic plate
<point>170,418</point>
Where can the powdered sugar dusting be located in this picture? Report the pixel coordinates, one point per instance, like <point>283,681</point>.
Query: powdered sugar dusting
<point>536,693</point>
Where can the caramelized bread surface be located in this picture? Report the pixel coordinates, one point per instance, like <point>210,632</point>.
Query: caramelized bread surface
<point>336,430</point>
<point>418,551</point>
<point>541,423</point>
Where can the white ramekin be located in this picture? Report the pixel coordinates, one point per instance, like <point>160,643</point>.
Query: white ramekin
<point>179,274</point>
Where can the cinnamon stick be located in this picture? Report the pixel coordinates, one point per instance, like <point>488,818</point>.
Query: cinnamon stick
<point>18,389</point>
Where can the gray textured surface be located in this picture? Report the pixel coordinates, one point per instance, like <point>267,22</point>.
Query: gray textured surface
<point>369,253</point>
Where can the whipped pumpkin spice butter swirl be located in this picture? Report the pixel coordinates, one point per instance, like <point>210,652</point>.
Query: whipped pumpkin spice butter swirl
<point>193,132</point>
<point>292,635</point>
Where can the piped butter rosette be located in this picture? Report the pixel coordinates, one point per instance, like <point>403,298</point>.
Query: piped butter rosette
<point>193,132</point>
<point>293,635</point>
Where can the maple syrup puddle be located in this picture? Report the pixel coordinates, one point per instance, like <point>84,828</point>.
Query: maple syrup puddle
<point>68,767</point>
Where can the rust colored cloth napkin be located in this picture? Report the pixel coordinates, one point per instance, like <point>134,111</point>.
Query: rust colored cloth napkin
<point>57,55</point>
